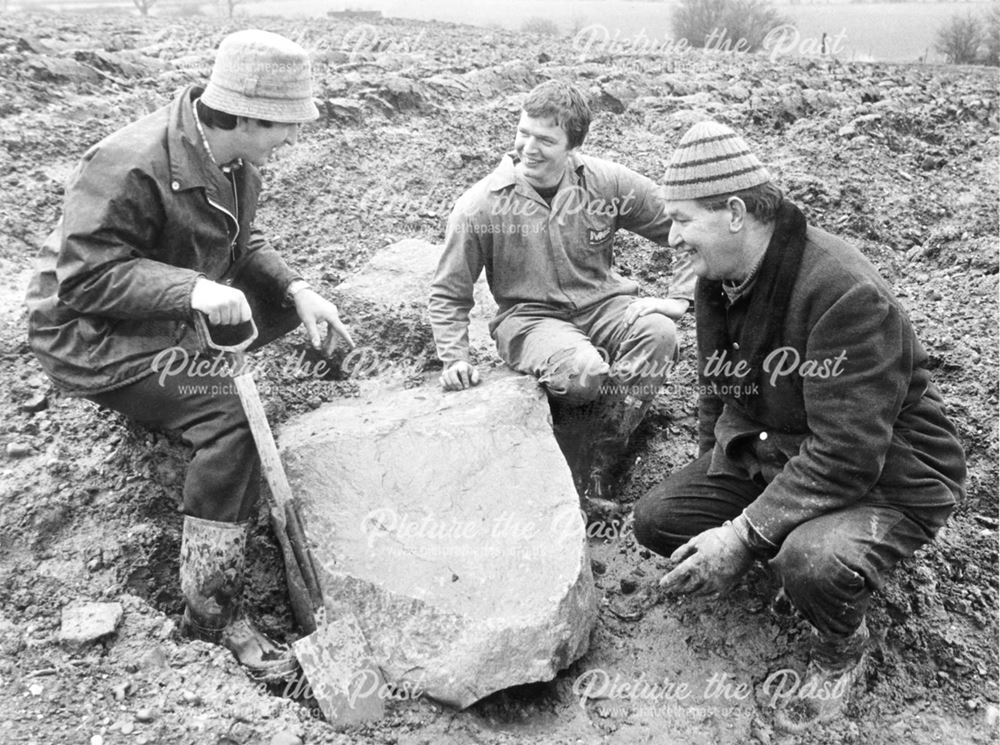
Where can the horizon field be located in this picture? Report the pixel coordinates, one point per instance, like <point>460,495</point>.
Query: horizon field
<point>891,32</point>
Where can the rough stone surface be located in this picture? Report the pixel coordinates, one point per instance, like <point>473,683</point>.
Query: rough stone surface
<point>391,292</point>
<point>89,622</point>
<point>449,524</point>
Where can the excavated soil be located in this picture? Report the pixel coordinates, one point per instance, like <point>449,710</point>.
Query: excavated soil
<point>900,159</point>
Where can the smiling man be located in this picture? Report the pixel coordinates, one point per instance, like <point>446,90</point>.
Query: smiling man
<point>543,226</point>
<point>824,446</point>
<point>157,226</point>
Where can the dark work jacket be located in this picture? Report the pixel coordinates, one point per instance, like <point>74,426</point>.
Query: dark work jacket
<point>824,434</point>
<point>145,214</point>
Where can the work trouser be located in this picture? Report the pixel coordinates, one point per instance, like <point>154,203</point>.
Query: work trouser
<point>578,357</point>
<point>829,566</point>
<point>201,403</point>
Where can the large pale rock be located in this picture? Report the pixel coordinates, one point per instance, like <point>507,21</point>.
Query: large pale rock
<point>387,301</point>
<point>449,525</point>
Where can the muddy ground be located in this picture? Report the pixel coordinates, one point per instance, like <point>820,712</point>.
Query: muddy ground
<point>903,160</point>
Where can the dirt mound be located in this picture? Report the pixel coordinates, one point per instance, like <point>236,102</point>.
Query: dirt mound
<point>900,159</point>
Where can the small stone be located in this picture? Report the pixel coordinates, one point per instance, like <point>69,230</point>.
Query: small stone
<point>96,740</point>
<point>931,163</point>
<point>760,732</point>
<point>35,689</point>
<point>598,567</point>
<point>190,698</point>
<point>154,658</point>
<point>121,691</point>
<point>38,402</point>
<point>286,738</point>
<point>992,715</point>
<point>19,450</point>
<point>629,585</point>
<point>144,715</point>
<point>88,622</point>
<point>128,728</point>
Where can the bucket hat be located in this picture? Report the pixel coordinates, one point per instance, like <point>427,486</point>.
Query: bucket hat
<point>261,75</point>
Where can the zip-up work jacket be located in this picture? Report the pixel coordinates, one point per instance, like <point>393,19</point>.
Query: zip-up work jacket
<point>146,213</point>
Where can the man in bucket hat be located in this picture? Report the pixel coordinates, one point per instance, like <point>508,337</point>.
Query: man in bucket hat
<point>824,448</point>
<point>158,226</point>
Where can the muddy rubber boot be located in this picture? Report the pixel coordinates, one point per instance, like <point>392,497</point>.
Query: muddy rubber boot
<point>212,565</point>
<point>597,501</point>
<point>618,418</point>
<point>836,664</point>
<point>571,427</point>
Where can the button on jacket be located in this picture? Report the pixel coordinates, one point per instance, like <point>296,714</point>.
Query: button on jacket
<point>539,257</point>
<point>146,213</point>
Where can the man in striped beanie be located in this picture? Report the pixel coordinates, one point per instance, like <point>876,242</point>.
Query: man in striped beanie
<point>824,448</point>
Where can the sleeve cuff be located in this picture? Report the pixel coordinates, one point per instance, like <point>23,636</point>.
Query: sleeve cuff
<point>293,288</point>
<point>759,546</point>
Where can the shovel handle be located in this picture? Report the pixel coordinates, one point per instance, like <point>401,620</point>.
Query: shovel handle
<point>205,335</point>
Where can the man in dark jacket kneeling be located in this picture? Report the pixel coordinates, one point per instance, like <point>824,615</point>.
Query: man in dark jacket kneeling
<point>157,228</point>
<point>824,448</point>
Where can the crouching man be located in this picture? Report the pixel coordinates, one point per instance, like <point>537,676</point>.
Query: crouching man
<point>824,447</point>
<point>543,226</point>
<point>157,226</point>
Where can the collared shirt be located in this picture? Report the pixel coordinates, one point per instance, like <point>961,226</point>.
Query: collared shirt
<point>557,256</point>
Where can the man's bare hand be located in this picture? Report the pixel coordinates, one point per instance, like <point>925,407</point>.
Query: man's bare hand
<point>315,310</point>
<point>221,304</point>
<point>670,307</point>
<point>708,564</point>
<point>459,375</point>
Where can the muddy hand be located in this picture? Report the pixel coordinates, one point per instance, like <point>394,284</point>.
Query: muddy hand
<point>708,564</point>
<point>459,376</point>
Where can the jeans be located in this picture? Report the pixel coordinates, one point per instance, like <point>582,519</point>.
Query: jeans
<point>829,566</point>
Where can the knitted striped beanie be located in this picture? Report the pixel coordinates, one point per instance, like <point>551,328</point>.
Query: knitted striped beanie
<point>711,160</point>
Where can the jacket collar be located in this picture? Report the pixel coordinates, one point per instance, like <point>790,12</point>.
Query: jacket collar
<point>191,167</point>
<point>506,175</point>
